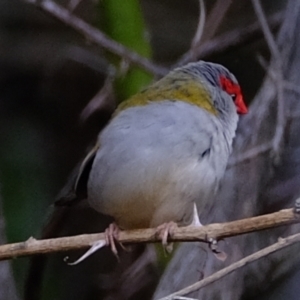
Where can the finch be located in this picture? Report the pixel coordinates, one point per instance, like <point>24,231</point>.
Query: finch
<point>162,155</point>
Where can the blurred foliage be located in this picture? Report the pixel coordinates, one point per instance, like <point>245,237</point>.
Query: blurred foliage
<point>123,21</point>
<point>24,178</point>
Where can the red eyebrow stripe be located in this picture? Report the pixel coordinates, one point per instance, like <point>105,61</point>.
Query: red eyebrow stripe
<point>232,88</point>
<point>229,86</point>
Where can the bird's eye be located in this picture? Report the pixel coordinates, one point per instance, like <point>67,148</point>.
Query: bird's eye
<point>233,96</point>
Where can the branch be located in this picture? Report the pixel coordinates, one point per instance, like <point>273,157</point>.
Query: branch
<point>282,243</point>
<point>278,78</point>
<point>215,18</point>
<point>266,30</point>
<point>267,146</point>
<point>103,101</point>
<point>233,38</point>
<point>190,233</point>
<point>96,36</point>
<point>73,4</point>
<point>249,154</point>
<point>201,23</point>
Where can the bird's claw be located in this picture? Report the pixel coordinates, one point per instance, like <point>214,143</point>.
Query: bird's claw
<point>111,236</point>
<point>95,247</point>
<point>163,232</point>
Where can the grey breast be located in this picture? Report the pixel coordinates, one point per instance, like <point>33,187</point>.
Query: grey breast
<point>155,161</point>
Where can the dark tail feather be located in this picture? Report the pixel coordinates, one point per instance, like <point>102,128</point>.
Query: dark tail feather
<point>74,191</point>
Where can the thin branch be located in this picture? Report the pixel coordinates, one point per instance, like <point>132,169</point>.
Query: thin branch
<point>268,146</point>
<point>251,153</point>
<point>233,38</point>
<point>73,4</point>
<point>190,233</point>
<point>277,67</point>
<point>219,9</point>
<point>103,101</point>
<point>282,243</point>
<point>200,27</point>
<point>266,30</point>
<point>215,18</point>
<point>96,36</point>
<point>183,298</point>
<point>291,87</point>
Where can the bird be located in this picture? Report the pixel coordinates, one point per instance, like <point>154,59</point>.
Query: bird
<point>160,158</point>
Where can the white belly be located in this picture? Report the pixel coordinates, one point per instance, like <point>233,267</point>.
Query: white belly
<point>152,169</point>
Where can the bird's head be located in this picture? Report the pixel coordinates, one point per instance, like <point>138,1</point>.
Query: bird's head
<point>218,78</point>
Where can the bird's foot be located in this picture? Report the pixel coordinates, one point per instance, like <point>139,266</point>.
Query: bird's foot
<point>111,237</point>
<point>164,231</point>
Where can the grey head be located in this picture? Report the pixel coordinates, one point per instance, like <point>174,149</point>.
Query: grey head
<point>222,85</point>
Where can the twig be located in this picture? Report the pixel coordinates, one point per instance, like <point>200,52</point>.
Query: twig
<point>215,18</point>
<point>96,36</point>
<point>249,154</point>
<point>73,4</point>
<point>190,233</point>
<point>233,38</point>
<point>277,66</point>
<point>291,87</point>
<point>103,101</point>
<point>219,9</point>
<point>183,298</point>
<point>286,85</point>
<point>266,30</point>
<point>200,27</point>
<point>282,243</point>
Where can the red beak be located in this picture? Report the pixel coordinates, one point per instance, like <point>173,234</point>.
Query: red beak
<point>241,107</point>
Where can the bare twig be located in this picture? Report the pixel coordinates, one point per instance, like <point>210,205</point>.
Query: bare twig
<point>282,243</point>
<point>183,298</point>
<point>291,87</point>
<point>200,27</point>
<point>233,38</point>
<point>276,75</point>
<point>190,233</point>
<point>286,85</point>
<point>251,153</point>
<point>96,36</point>
<point>73,4</point>
<point>266,30</point>
<point>103,100</point>
<point>215,18</point>
<point>277,71</point>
